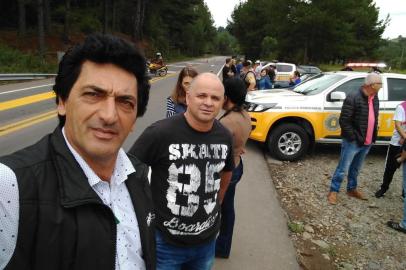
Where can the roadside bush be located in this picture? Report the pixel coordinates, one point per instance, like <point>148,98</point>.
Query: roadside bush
<point>15,61</point>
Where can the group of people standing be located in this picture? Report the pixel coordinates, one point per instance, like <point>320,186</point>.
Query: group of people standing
<point>77,200</point>
<point>359,126</point>
<point>254,75</point>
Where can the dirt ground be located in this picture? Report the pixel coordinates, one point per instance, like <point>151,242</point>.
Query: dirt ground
<point>352,234</point>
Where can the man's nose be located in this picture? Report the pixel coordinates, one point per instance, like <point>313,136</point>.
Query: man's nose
<point>108,111</point>
<point>208,101</point>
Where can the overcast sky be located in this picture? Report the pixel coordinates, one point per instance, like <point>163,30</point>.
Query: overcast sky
<point>222,9</point>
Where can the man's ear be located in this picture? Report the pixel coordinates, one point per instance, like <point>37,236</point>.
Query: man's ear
<point>61,107</point>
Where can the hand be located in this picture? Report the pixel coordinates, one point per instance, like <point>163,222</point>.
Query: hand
<point>402,140</point>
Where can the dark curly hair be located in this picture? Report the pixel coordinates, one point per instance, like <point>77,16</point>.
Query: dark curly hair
<point>102,49</point>
<point>235,90</point>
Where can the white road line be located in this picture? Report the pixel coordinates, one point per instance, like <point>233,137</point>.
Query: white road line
<point>185,65</point>
<point>175,66</point>
<point>221,69</point>
<point>23,89</point>
<point>33,87</point>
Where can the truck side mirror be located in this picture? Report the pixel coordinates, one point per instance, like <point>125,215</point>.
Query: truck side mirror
<point>337,96</point>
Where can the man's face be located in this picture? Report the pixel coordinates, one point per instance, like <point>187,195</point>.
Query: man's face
<point>205,99</point>
<point>373,88</point>
<point>100,111</point>
<point>376,86</point>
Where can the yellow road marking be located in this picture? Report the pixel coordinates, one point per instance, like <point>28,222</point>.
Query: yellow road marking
<point>11,104</point>
<point>7,105</point>
<point>42,117</point>
<point>164,77</point>
<point>26,122</point>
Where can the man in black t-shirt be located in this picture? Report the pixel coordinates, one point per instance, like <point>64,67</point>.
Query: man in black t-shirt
<point>191,160</point>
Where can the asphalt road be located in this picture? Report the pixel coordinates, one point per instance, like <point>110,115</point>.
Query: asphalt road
<point>41,123</point>
<point>261,238</point>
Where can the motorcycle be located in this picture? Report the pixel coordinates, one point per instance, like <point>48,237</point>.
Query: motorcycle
<point>157,70</point>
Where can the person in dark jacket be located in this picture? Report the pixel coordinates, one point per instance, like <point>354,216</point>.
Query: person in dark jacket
<point>358,121</point>
<point>227,70</point>
<point>75,199</point>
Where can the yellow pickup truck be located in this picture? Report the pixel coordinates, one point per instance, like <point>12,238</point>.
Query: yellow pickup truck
<point>290,121</point>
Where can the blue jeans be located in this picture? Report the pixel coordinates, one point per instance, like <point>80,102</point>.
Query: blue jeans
<point>403,222</point>
<point>223,243</point>
<point>170,257</point>
<point>351,160</point>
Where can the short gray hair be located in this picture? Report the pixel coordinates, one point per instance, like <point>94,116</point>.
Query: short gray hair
<point>372,78</point>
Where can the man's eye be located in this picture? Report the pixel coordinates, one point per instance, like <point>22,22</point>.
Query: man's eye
<point>127,104</point>
<point>92,94</point>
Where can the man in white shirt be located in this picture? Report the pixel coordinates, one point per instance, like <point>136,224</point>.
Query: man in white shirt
<point>75,200</point>
<point>398,138</point>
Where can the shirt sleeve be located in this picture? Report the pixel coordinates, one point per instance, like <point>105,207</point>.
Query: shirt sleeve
<point>170,107</point>
<point>145,147</point>
<point>9,214</point>
<point>399,114</point>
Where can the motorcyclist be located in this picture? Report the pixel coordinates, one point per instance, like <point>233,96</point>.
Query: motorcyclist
<point>157,62</point>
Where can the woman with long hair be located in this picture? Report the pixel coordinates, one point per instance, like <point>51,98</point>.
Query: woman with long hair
<point>238,122</point>
<point>176,102</point>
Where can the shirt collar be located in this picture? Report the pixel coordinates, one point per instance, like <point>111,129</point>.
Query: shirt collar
<point>122,169</point>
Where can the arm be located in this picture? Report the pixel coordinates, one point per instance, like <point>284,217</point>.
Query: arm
<point>224,182</point>
<point>399,118</point>
<point>227,172</point>
<point>251,80</point>
<point>402,133</point>
<point>170,107</point>
<point>9,214</point>
<point>346,116</point>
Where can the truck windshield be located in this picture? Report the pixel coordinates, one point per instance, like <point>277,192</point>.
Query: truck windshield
<point>318,83</point>
<point>284,68</point>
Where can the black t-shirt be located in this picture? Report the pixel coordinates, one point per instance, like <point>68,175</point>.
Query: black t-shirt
<point>185,177</point>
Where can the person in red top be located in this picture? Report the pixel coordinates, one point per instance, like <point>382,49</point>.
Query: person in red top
<point>358,121</point>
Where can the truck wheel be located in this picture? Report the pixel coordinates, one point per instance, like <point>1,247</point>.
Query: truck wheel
<point>288,142</point>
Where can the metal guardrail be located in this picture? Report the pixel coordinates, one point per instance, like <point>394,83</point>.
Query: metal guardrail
<point>24,76</point>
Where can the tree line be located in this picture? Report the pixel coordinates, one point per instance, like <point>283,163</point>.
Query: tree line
<point>173,27</point>
<point>316,31</point>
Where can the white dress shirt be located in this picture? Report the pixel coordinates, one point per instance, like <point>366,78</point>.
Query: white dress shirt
<point>114,194</point>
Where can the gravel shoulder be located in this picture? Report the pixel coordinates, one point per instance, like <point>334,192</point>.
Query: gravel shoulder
<point>352,234</point>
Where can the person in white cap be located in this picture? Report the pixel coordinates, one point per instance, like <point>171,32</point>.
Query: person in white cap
<point>257,70</point>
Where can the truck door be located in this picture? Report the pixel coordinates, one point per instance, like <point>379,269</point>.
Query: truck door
<point>332,109</point>
<point>395,94</point>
